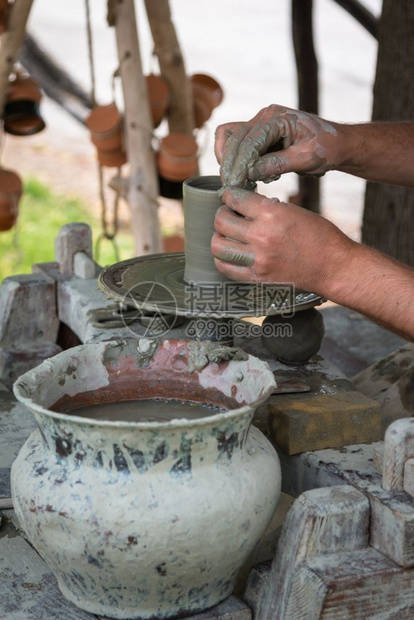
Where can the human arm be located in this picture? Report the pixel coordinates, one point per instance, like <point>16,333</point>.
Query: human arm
<point>284,243</point>
<point>378,151</point>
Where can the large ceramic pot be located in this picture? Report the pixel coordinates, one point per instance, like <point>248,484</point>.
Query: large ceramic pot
<point>145,519</point>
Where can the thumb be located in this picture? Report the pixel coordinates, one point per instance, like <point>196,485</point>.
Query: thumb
<point>270,166</point>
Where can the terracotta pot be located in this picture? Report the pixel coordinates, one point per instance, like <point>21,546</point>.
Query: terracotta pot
<point>210,83</point>
<point>22,89</point>
<point>145,518</point>
<point>173,243</point>
<point>204,103</point>
<point>11,189</point>
<point>159,97</point>
<point>106,126</point>
<point>21,112</point>
<point>112,159</point>
<point>177,157</point>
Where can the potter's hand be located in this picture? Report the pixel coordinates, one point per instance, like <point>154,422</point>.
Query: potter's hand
<point>277,243</point>
<point>250,150</point>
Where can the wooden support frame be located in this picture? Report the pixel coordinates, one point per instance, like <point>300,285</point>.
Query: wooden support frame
<point>143,181</point>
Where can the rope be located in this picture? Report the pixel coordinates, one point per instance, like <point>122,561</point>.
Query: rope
<point>106,233</point>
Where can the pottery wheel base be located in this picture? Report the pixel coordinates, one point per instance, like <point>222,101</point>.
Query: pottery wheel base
<point>155,283</point>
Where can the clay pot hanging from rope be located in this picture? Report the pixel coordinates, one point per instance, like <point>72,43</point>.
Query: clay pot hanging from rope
<point>176,162</point>
<point>158,96</point>
<point>11,189</point>
<point>207,95</point>
<point>21,112</point>
<point>106,126</point>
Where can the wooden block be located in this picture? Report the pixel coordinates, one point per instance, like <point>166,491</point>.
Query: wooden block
<point>321,521</point>
<point>392,514</point>
<point>317,421</point>
<point>28,313</point>
<point>409,477</point>
<point>230,609</point>
<point>83,265</point>
<point>72,238</point>
<point>15,362</point>
<point>398,447</point>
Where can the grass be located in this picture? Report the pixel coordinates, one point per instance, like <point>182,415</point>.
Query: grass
<point>41,214</point>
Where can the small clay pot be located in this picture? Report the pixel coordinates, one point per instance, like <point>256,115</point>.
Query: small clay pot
<point>204,103</point>
<point>159,97</point>
<point>11,189</point>
<point>112,159</point>
<point>22,89</point>
<point>105,124</point>
<point>177,157</point>
<point>21,112</point>
<point>173,243</point>
<point>209,82</point>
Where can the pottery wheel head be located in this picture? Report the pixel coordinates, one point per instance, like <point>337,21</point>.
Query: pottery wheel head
<point>155,283</point>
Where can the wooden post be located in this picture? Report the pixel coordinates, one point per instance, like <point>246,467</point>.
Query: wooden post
<point>307,70</point>
<point>11,41</point>
<point>143,182</point>
<point>167,49</point>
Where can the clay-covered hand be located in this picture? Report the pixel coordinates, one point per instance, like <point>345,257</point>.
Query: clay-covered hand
<point>277,242</point>
<point>275,141</point>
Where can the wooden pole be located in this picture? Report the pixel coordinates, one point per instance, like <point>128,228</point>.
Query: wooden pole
<point>307,69</point>
<point>11,41</point>
<point>170,58</point>
<point>143,182</point>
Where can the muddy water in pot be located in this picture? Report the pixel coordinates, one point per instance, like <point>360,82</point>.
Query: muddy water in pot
<point>147,410</point>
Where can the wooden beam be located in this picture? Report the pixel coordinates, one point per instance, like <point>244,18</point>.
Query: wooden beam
<point>172,67</point>
<point>307,71</point>
<point>143,188</point>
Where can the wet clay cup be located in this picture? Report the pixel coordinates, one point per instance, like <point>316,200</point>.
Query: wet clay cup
<point>21,114</point>
<point>177,157</point>
<point>147,519</point>
<point>11,190</point>
<point>159,97</point>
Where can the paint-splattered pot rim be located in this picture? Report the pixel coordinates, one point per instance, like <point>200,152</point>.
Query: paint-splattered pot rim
<point>155,283</point>
<point>49,371</point>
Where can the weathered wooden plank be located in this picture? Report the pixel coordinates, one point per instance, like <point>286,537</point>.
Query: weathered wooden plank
<point>363,584</point>
<point>321,521</point>
<point>230,609</point>
<point>28,589</point>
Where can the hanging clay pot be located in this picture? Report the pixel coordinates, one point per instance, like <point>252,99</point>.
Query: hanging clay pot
<point>177,157</point>
<point>106,126</point>
<point>176,161</point>
<point>204,103</point>
<point>4,15</point>
<point>21,112</point>
<point>209,82</point>
<point>159,97</point>
<point>152,515</point>
<point>11,189</point>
